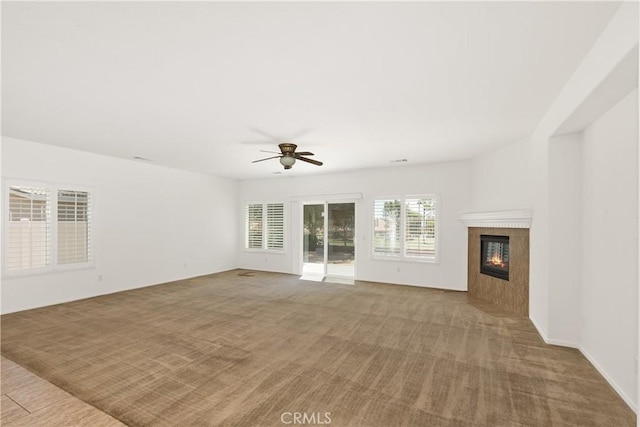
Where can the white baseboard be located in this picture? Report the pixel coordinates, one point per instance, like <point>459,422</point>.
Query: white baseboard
<point>539,329</point>
<point>562,343</point>
<point>552,341</point>
<point>633,405</point>
<point>621,393</point>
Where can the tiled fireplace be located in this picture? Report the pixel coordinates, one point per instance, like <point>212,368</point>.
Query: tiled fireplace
<point>498,258</point>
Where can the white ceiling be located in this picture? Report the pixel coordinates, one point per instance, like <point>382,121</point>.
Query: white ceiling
<point>204,86</point>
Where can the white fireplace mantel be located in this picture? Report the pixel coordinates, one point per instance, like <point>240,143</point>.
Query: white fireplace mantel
<point>499,219</point>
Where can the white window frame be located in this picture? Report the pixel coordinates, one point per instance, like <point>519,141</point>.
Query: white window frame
<point>403,221</point>
<point>53,189</point>
<point>265,227</point>
<point>90,235</point>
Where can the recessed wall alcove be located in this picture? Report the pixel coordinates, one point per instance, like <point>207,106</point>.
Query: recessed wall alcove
<point>511,293</point>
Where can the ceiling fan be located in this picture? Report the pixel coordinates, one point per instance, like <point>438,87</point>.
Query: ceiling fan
<point>289,156</point>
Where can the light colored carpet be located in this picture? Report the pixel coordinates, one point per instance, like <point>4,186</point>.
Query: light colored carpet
<point>231,349</point>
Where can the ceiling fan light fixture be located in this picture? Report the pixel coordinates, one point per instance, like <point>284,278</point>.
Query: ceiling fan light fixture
<point>289,155</point>
<point>287,161</point>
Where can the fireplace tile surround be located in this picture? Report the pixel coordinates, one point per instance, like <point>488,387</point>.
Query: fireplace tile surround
<point>513,294</point>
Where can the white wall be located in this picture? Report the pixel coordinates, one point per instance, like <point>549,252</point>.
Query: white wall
<point>555,323</point>
<point>449,180</point>
<point>609,292</point>
<point>565,224</point>
<point>539,238</point>
<point>501,179</point>
<point>618,39</point>
<point>151,224</point>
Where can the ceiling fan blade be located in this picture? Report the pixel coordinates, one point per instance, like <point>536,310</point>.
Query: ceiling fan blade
<point>267,135</point>
<point>255,142</point>
<point>272,152</point>
<point>268,158</point>
<point>299,134</point>
<point>304,153</point>
<point>313,162</point>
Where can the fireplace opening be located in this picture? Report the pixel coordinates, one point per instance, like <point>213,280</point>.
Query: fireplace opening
<point>494,256</point>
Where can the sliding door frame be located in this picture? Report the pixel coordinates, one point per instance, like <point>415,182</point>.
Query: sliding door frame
<point>326,202</point>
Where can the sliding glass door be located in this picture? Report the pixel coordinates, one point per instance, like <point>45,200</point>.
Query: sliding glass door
<point>313,265</point>
<point>340,259</point>
<point>328,248</point>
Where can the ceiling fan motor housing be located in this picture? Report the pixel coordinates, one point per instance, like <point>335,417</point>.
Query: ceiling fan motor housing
<point>287,148</point>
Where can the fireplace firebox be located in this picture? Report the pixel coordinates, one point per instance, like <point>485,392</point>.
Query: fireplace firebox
<point>494,256</point>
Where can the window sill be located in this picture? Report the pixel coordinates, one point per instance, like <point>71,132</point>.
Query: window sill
<point>433,260</point>
<point>265,251</point>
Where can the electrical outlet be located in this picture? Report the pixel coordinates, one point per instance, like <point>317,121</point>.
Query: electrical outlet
<point>398,269</point>
<point>100,278</point>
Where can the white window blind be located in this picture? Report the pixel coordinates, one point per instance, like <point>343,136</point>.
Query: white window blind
<point>405,227</point>
<point>254,226</point>
<point>420,228</point>
<point>275,226</point>
<point>29,228</point>
<point>265,226</point>
<point>74,231</point>
<point>386,227</point>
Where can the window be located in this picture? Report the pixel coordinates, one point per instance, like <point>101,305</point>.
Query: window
<point>32,243</point>
<point>420,228</point>
<point>405,227</point>
<point>275,226</point>
<point>29,229</point>
<point>73,227</point>
<point>254,226</point>
<point>386,227</point>
<point>265,226</point>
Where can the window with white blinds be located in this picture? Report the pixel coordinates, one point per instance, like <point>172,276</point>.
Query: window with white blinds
<point>265,226</point>
<point>46,227</point>
<point>405,227</point>
<point>74,231</point>
<point>28,235</point>
<point>254,226</point>
<point>386,227</point>
<point>275,226</point>
<point>420,228</point>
